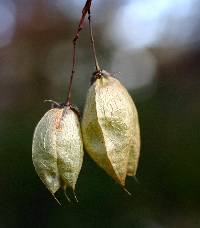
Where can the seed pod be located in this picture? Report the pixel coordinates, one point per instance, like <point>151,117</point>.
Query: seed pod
<point>110,127</point>
<point>57,149</point>
<point>134,153</point>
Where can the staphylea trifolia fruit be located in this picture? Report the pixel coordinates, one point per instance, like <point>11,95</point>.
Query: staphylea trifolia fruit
<point>57,149</point>
<point>110,127</point>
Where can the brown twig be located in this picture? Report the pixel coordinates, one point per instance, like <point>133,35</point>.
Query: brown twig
<point>85,10</point>
<point>92,41</point>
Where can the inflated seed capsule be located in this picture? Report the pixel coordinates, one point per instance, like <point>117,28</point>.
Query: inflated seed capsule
<point>57,149</point>
<point>134,153</point>
<point>110,127</point>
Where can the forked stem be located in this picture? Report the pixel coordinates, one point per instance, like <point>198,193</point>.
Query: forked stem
<point>85,10</point>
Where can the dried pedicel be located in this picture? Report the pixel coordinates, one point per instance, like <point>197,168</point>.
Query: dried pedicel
<point>110,127</point>
<point>57,149</point>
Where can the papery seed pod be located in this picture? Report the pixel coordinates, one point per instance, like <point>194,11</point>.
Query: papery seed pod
<point>57,149</point>
<point>110,127</point>
<point>134,153</point>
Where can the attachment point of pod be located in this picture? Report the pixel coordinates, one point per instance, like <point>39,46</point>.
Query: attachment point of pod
<point>96,75</point>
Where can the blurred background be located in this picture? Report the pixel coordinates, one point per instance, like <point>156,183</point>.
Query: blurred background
<point>153,47</point>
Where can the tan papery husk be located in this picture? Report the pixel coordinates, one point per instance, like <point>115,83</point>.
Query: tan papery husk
<point>110,128</point>
<point>57,149</point>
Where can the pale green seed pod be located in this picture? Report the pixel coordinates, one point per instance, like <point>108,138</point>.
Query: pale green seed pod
<point>134,153</point>
<point>110,128</point>
<point>57,149</point>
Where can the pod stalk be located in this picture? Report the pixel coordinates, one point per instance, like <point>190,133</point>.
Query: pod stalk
<point>85,10</point>
<point>93,42</point>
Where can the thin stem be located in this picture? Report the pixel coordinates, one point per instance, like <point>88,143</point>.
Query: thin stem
<point>68,101</point>
<point>85,10</point>
<point>93,43</point>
